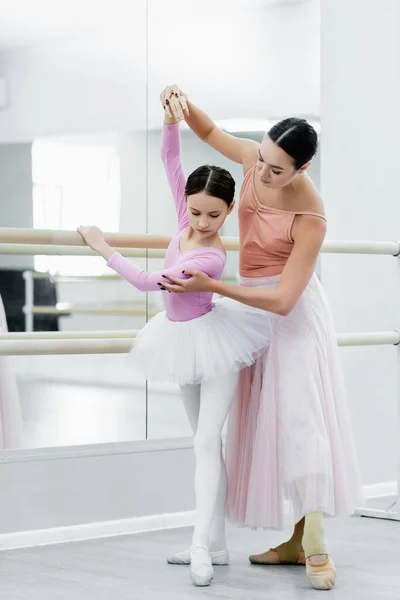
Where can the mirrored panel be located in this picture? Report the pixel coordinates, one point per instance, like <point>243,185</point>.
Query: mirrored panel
<point>73,123</point>
<point>80,140</point>
<point>79,400</point>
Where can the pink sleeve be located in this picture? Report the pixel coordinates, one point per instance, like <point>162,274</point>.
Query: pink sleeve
<point>171,157</point>
<point>209,262</point>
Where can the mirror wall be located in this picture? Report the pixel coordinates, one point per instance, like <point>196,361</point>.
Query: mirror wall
<point>80,135</point>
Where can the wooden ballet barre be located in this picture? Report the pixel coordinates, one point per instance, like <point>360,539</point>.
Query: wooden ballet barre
<point>360,247</point>
<point>343,339</point>
<point>375,338</point>
<point>121,345</point>
<point>112,305</point>
<point>68,239</point>
<point>82,310</point>
<point>49,237</point>
<point>230,244</point>
<point>75,346</point>
<point>45,250</point>
<point>58,237</point>
<point>74,278</point>
<point>69,335</point>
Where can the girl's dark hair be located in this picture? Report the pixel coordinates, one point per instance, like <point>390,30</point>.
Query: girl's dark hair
<point>215,181</point>
<point>297,138</point>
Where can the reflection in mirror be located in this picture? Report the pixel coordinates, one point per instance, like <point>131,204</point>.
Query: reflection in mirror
<point>72,125</point>
<point>78,400</point>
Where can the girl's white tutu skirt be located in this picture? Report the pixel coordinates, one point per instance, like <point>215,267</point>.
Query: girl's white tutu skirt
<point>228,338</point>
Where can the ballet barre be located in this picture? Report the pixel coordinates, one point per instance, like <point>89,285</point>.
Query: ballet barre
<point>361,247</point>
<point>67,308</point>
<point>69,335</point>
<point>70,243</point>
<point>376,338</point>
<point>54,237</point>
<point>40,347</point>
<point>47,250</point>
<point>10,236</point>
<point>73,278</point>
<point>112,341</point>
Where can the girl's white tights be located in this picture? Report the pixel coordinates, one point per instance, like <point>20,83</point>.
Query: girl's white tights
<point>207,406</point>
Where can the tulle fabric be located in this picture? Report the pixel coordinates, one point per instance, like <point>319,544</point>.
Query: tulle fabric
<point>289,432</point>
<point>228,338</point>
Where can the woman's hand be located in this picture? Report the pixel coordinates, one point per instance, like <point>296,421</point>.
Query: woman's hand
<point>93,236</point>
<point>198,282</point>
<point>174,103</point>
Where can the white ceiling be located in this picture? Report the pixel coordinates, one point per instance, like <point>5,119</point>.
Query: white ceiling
<point>99,65</point>
<point>27,22</point>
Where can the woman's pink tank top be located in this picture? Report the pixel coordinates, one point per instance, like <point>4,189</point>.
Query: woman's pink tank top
<point>265,233</point>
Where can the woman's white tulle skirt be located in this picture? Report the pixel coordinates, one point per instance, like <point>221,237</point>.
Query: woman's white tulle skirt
<point>228,338</point>
<point>289,431</point>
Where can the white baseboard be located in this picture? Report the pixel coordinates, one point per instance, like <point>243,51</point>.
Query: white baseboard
<point>78,533</point>
<point>90,531</point>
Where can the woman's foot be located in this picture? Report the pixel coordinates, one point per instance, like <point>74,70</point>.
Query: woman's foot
<point>183,558</point>
<point>321,571</point>
<point>320,567</point>
<point>201,571</point>
<point>284,554</point>
<point>288,553</point>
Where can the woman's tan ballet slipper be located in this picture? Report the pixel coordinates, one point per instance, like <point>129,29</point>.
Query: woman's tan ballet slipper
<point>322,576</point>
<point>271,557</point>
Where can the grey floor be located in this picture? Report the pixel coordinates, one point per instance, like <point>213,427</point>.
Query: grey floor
<point>366,552</point>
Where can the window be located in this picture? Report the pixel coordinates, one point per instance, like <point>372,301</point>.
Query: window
<point>74,184</point>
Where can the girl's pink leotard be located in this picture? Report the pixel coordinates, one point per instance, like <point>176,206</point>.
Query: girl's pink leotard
<point>179,307</point>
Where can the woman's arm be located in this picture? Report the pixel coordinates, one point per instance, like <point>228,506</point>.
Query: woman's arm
<point>239,150</point>
<point>309,236</point>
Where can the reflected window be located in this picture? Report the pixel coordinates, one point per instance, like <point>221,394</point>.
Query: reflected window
<point>74,184</point>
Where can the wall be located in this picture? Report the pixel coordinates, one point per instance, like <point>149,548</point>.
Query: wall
<point>129,481</point>
<point>359,179</point>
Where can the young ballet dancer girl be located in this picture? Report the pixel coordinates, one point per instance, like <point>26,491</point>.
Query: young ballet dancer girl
<point>196,343</point>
